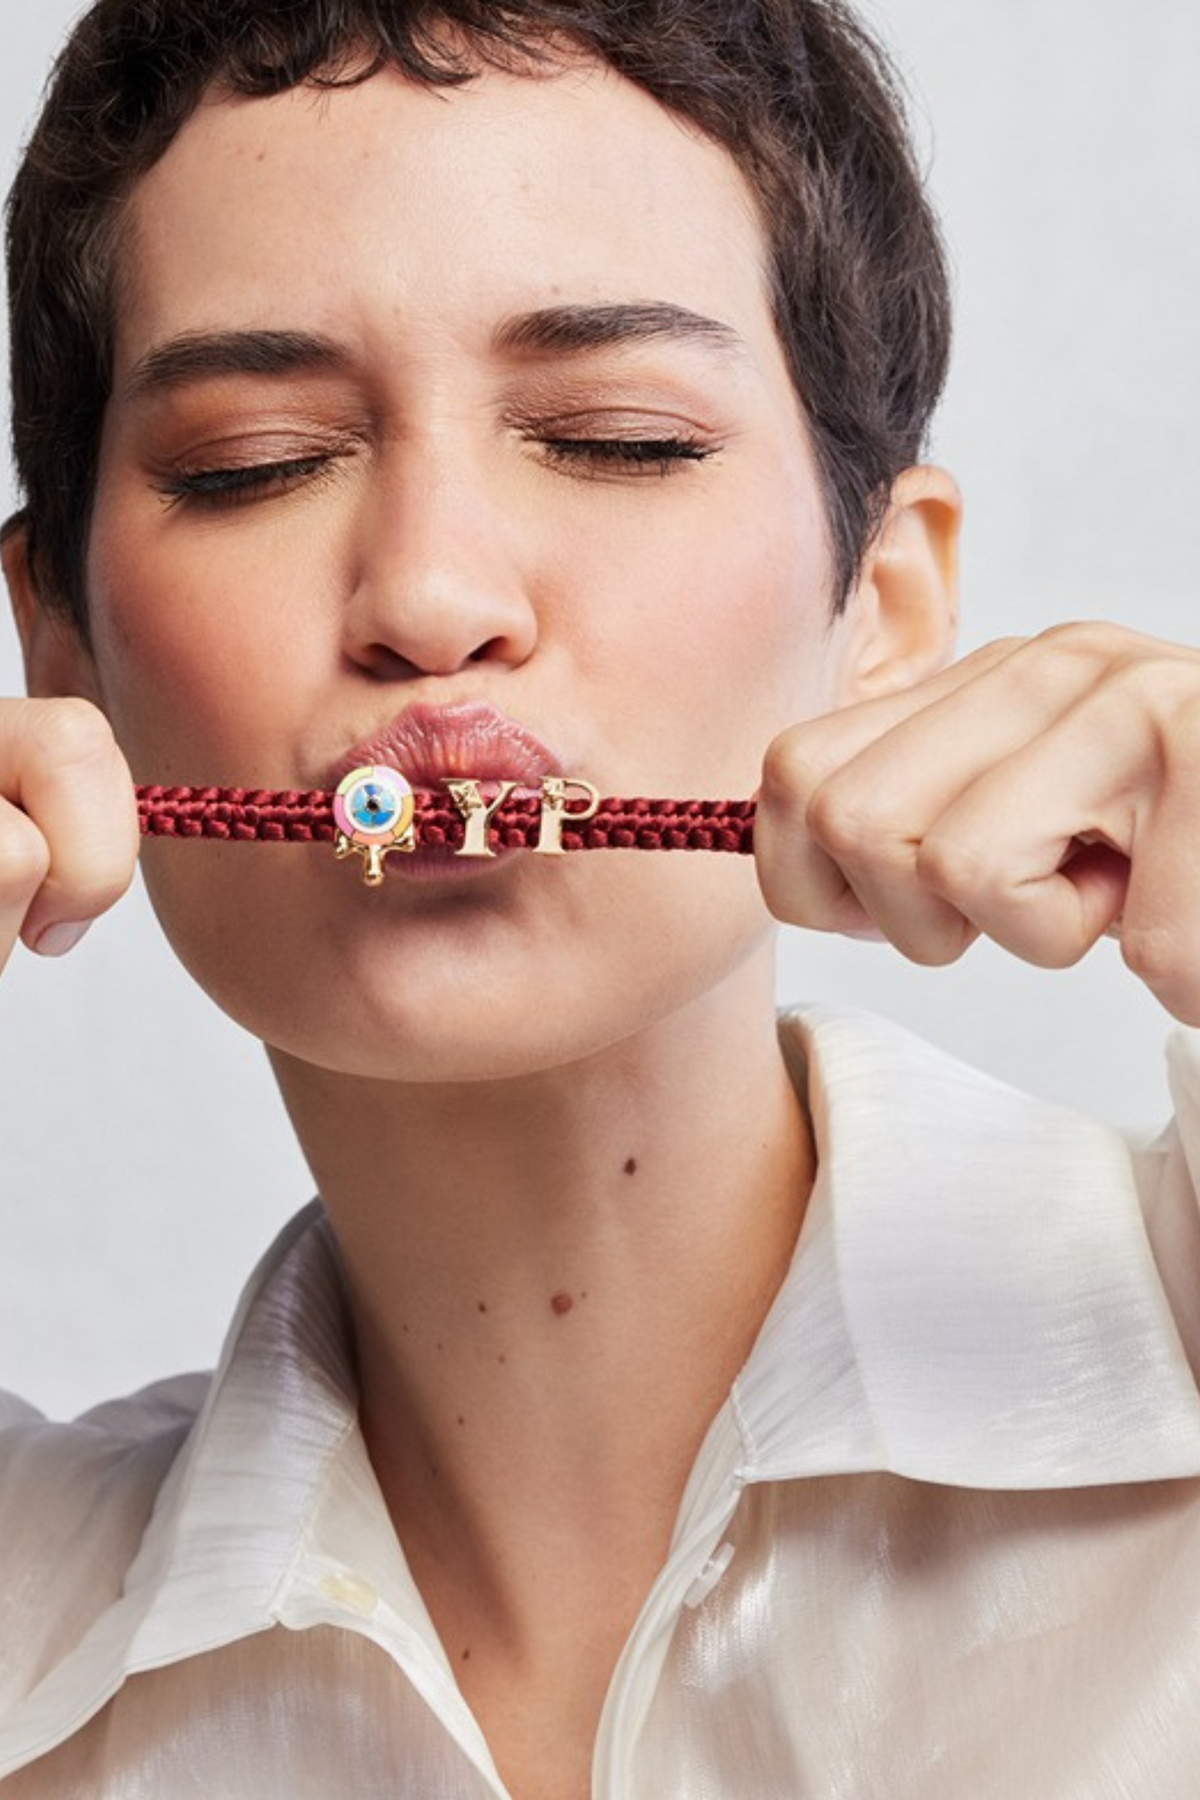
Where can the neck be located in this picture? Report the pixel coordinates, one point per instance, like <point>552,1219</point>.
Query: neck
<point>554,1280</point>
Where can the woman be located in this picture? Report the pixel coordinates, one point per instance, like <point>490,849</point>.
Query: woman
<point>608,1428</point>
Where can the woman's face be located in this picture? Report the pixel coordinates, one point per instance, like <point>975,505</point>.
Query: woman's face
<point>534,444</point>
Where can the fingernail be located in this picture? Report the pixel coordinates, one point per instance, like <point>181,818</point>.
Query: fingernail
<point>56,940</point>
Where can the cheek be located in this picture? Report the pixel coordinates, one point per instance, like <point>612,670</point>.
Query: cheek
<point>705,639</point>
<point>197,648</point>
<point>755,620</point>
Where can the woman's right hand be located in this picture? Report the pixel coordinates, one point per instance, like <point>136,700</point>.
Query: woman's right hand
<point>68,823</point>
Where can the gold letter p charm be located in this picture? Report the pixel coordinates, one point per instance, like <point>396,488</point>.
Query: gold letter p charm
<point>557,790</point>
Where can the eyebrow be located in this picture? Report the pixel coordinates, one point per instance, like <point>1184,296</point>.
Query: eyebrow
<point>556,330</point>
<point>568,330</point>
<point>198,355</point>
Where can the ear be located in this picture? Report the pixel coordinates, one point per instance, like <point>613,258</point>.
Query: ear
<point>57,659</point>
<point>901,619</point>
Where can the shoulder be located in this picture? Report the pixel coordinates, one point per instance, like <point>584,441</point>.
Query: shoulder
<point>75,1500</point>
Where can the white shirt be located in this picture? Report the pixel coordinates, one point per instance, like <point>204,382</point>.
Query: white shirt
<point>942,1542</point>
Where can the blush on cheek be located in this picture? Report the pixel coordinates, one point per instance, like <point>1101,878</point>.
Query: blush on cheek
<point>180,661</point>
<point>757,643</point>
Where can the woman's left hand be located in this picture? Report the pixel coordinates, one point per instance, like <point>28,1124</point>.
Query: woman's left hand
<point>1041,792</point>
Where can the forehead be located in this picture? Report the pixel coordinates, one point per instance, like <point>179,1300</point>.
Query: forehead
<point>391,201</point>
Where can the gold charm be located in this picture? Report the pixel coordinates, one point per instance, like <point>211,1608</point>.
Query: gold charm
<point>373,810</point>
<point>557,791</point>
<point>477,813</point>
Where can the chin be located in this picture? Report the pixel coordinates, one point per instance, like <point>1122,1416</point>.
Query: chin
<point>490,982</point>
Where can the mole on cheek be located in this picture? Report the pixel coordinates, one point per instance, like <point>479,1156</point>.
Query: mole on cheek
<point>631,1166</point>
<point>562,1304</point>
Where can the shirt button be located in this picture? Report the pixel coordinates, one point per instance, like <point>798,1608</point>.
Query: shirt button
<point>709,1576</point>
<point>351,1591</point>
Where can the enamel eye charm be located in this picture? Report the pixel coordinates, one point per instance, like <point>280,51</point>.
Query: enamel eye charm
<point>373,810</point>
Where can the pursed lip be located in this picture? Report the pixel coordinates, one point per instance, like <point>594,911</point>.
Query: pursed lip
<point>427,743</point>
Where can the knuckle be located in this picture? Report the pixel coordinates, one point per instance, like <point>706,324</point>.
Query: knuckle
<point>24,856</point>
<point>1068,659</point>
<point>1094,642</point>
<point>1083,658</point>
<point>1178,737</point>
<point>953,864</point>
<point>998,649</point>
<point>70,731</point>
<point>789,772</point>
<point>849,829</point>
<point>1152,699</point>
<point>1185,733</point>
<point>1153,681</point>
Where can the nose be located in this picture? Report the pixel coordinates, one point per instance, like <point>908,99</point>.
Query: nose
<point>437,582</point>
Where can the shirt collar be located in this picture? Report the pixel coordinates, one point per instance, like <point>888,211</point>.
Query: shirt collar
<point>974,1298</point>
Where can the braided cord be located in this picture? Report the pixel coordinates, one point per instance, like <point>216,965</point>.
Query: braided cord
<point>290,816</point>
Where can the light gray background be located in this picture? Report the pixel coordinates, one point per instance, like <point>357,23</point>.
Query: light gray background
<point>144,1158</point>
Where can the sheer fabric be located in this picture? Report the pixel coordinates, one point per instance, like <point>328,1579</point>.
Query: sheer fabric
<point>943,1539</point>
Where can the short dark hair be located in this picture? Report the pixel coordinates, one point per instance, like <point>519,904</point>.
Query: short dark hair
<point>795,90</point>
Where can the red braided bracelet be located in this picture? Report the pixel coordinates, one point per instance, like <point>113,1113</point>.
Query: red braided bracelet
<point>566,815</point>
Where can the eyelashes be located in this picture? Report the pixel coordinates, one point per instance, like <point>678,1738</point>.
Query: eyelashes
<point>585,458</point>
<point>662,456</point>
<point>239,482</point>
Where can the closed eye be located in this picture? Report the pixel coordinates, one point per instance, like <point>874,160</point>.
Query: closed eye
<point>238,483</point>
<point>661,456</point>
<point>242,483</point>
